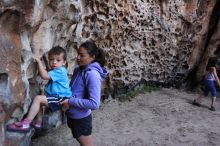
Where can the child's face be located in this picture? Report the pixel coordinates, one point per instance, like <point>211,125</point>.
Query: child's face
<point>56,61</point>
<point>83,58</point>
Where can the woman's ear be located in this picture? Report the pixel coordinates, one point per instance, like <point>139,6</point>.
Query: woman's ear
<point>93,57</point>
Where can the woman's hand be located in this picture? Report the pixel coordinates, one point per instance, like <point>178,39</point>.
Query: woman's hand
<point>65,105</point>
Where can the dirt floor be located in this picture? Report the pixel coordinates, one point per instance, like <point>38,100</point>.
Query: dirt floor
<point>160,118</point>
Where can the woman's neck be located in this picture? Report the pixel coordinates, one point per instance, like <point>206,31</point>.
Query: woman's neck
<point>82,67</point>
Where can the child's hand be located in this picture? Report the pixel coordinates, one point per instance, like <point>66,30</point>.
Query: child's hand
<point>65,105</point>
<point>36,58</point>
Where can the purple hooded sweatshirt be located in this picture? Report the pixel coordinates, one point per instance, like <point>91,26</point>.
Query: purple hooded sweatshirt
<point>85,80</point>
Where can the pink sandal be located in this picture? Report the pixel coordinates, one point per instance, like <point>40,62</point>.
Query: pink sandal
<point>37,124</point>
<point>22,126</point>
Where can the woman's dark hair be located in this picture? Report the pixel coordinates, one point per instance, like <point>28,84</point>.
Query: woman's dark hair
<point>57,51</point>
<point>92,49</point>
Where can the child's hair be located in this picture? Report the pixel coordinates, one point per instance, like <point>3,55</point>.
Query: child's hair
<point>57,51</point>
<point>92,49</point>
<point>211,63</point>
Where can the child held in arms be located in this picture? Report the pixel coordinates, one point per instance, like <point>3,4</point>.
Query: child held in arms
<point>57,90</point>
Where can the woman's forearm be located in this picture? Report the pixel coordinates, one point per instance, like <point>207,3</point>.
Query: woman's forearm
<point>85,103</point>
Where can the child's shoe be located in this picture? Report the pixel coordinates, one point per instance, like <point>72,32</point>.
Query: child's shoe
<point>212,108</point>
<point>37,124</point>
<point>22,126</point>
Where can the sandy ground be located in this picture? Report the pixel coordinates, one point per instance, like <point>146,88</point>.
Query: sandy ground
<point>160,118</point>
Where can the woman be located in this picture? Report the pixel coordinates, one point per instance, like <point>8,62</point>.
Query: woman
<point>86,87</point>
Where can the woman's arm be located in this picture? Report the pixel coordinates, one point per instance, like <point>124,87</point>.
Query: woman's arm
<point>93,83</point>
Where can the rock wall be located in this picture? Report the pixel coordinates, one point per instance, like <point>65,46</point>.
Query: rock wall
<point>163,42</point>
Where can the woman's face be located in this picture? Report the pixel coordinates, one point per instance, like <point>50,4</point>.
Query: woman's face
<point>83,57</point>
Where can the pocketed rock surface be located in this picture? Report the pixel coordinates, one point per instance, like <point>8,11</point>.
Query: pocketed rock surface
<point>162,42</point>
<point>164,117</point>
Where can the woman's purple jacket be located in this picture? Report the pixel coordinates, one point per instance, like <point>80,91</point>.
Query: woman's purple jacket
<point>85,80</point>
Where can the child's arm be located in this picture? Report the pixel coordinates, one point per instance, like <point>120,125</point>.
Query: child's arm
<point>216,76</point>
<point>43,73</point>
<point>46,62</point>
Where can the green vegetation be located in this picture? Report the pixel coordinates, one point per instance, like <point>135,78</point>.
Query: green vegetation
<point>138,90</point>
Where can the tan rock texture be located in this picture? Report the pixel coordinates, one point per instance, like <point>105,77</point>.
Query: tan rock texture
<point>162,42</point>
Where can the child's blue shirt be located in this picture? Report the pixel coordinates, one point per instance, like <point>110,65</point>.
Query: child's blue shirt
<point>58,85</point>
